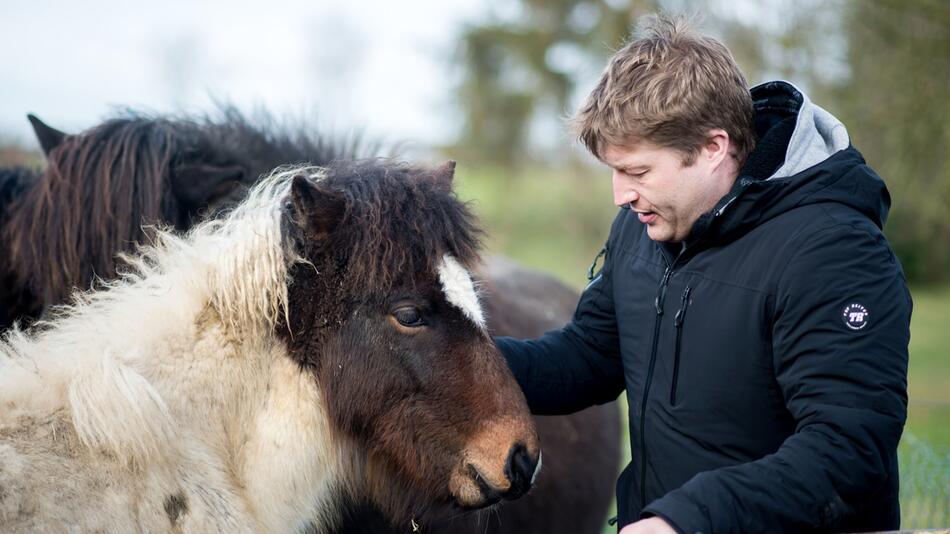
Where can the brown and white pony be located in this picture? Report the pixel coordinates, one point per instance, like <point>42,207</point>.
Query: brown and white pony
<point>322,341</point>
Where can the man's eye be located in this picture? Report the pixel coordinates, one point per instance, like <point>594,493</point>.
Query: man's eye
<point>409,316</point>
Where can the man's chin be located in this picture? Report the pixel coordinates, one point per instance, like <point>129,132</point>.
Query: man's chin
<point>659,233</point>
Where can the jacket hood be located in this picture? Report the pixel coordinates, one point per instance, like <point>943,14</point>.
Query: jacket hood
<point>817,134</point>
<point>802,156</point>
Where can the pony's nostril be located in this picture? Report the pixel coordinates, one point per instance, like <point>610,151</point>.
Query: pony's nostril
<point>520,468</point>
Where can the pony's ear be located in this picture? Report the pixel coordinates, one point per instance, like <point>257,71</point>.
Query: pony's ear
<point>316,209</point>
<point>199,185</point>
<point>444,174</point>
<point>48,136</point>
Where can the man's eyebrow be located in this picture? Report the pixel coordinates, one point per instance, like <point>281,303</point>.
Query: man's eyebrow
<point>626,167</point>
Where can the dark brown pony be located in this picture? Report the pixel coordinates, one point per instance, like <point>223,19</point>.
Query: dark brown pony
<point>220,158</point>
<point>104,187</point>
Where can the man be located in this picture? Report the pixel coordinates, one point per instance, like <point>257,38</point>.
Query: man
<point>748,303</point>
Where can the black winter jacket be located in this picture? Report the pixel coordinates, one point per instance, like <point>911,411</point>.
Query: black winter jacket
<point>765,359</point>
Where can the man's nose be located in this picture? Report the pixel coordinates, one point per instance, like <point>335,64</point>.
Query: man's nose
<point>624,195</point>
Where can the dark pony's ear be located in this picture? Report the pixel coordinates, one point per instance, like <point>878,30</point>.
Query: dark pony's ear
<point>444,174</point>
<point>317,210</point>
<point>200,184</point>
<point>48,136</point>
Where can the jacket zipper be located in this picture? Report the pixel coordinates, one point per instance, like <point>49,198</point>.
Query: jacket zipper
<point>658,305</point>
<point>678,325</point>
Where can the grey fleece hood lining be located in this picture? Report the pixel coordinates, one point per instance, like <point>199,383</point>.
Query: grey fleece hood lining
<point>818,135</point>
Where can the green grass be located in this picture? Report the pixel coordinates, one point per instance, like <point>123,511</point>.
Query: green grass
<point>557,221</point>
<point>552,221</point>
<point>928,377</point>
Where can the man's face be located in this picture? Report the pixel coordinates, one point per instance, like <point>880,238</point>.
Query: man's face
<point>667,196</point>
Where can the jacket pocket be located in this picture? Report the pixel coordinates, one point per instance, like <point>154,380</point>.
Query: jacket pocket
<point>678,321</point>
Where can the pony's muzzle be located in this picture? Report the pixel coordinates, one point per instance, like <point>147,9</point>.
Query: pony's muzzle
<point>477,486</point>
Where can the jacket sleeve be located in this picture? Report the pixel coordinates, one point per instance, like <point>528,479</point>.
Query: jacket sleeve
<point>843,379</point>
<point>570,369</point>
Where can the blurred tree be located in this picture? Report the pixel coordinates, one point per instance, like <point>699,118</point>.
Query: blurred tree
<point>522,69</point>
<point>883,68</point>
<point>896,103</point>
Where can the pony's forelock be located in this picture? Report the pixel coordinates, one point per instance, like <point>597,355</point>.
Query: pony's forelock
<point>399,219</point>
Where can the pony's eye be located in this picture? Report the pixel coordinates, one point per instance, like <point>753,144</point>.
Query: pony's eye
<point>409,316</point>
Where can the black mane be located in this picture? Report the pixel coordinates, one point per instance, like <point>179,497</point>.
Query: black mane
<point>102,187</point>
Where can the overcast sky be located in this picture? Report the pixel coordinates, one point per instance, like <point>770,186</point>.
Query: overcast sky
<point>378,65</point>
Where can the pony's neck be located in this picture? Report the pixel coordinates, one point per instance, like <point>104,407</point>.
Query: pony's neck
<point>278,437</point>
<point>239,414</point>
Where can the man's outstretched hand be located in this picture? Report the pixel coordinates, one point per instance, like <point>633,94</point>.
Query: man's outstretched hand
<point>650,525</point>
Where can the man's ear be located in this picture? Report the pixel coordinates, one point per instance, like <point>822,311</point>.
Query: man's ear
<point>717,147</point>
<point>316,209</point>
<point>48,136</point>
<point>198,185</point>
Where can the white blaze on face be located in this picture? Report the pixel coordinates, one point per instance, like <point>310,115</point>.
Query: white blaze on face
<point>460,290</point>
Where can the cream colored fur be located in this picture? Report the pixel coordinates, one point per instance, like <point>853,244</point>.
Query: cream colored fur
<point>171,383</point>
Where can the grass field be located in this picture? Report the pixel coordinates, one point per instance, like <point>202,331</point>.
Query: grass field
<point>925,451</point>
<point>557,222</point>
<point>929,373</point>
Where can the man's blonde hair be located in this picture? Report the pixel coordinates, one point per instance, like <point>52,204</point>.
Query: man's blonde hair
<point>669,87</point>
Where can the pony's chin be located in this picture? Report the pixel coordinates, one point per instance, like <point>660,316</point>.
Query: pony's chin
<point>482,503</point>
<point>469,498</point>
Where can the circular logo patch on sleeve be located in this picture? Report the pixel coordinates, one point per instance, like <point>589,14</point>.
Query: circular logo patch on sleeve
<point>855,316</point>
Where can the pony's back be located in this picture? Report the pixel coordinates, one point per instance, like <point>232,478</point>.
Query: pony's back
<point>13,181</point>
